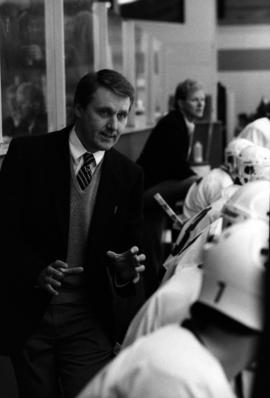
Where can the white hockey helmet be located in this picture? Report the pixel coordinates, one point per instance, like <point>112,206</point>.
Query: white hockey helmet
<point>233,276</point>
<point>251,200</point>
<point>231,154</point>
<point>254,164</point>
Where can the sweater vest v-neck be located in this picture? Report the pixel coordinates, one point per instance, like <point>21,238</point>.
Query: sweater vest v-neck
<point>81,210</point>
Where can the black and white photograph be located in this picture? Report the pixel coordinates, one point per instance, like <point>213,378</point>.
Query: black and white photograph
<point>134,198</point>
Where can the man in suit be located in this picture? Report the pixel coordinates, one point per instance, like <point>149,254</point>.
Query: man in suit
<point>69,242</point>
<point>165,160</point>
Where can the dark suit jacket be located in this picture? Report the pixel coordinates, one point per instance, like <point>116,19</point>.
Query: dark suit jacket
<point>34,197</point>
<point>38,126</point>
<point>165,152</point>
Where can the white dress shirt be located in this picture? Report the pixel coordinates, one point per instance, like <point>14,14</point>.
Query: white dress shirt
<point>77,150</point>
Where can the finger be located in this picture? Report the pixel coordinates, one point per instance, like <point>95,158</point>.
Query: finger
<point>140,257</point>
<point>134,250</point>
<point>111,254</point>
<point>53,282</point>
<point>58,274</point>
<point>73,270</point>
<point>59,264</point>
<point>136,279</point>
<point>51,290</point>
<point>139,269</point>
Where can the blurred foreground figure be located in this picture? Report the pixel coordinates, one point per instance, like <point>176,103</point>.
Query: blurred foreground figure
<point>182,280</point>
<point>220,339</point>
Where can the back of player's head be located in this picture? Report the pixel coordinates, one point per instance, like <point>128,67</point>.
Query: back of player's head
<point>232,152</point>
<point>234,272</point>
<point>251,200</point>
<point>254,164</point>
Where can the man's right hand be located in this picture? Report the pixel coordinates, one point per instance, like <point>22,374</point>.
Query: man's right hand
<point>51,277</point>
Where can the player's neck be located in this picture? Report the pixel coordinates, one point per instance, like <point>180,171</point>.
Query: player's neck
<point>234,352</point>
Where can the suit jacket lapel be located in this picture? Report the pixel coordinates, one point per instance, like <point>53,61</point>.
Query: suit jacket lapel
<point>61,184</point>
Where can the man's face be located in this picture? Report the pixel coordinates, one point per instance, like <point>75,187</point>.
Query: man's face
<point>193,106</point>
<point>104,119</point>
<point>24,104</point>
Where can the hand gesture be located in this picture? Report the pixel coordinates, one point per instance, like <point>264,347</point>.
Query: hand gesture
<point>128,265</point>
<point>51,277</point>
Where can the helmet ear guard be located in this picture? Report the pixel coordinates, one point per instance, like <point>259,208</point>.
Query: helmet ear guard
<point>233,278</point>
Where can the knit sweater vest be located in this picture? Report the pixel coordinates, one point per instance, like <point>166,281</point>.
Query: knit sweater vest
<point>81,210</point>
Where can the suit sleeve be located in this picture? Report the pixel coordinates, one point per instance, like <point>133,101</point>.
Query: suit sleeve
<point>20,264</point>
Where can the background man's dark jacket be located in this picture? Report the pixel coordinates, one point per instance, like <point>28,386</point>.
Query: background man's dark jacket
<point>164,156</point>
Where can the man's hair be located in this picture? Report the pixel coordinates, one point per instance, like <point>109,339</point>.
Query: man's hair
<point>183,90</point>
<point>107,78</point>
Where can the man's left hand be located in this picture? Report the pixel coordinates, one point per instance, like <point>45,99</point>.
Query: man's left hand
<point>128,265</point>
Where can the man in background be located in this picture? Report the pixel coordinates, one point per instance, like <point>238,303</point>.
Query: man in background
<point>27,111</point>
<point>165,160</point>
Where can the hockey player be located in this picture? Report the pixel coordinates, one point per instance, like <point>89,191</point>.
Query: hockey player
<point>208,189</point>
<point>182,281</point>
<point>201,357</point>
<point>258,131</point>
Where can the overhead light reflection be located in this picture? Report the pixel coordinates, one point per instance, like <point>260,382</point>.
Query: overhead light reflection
<point>126,1</point>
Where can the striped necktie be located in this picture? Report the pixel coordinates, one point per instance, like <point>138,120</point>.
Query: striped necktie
<point>84,175</point>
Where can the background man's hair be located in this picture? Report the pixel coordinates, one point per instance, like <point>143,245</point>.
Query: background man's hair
<point>107,78</point>
<point>183,90</point>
